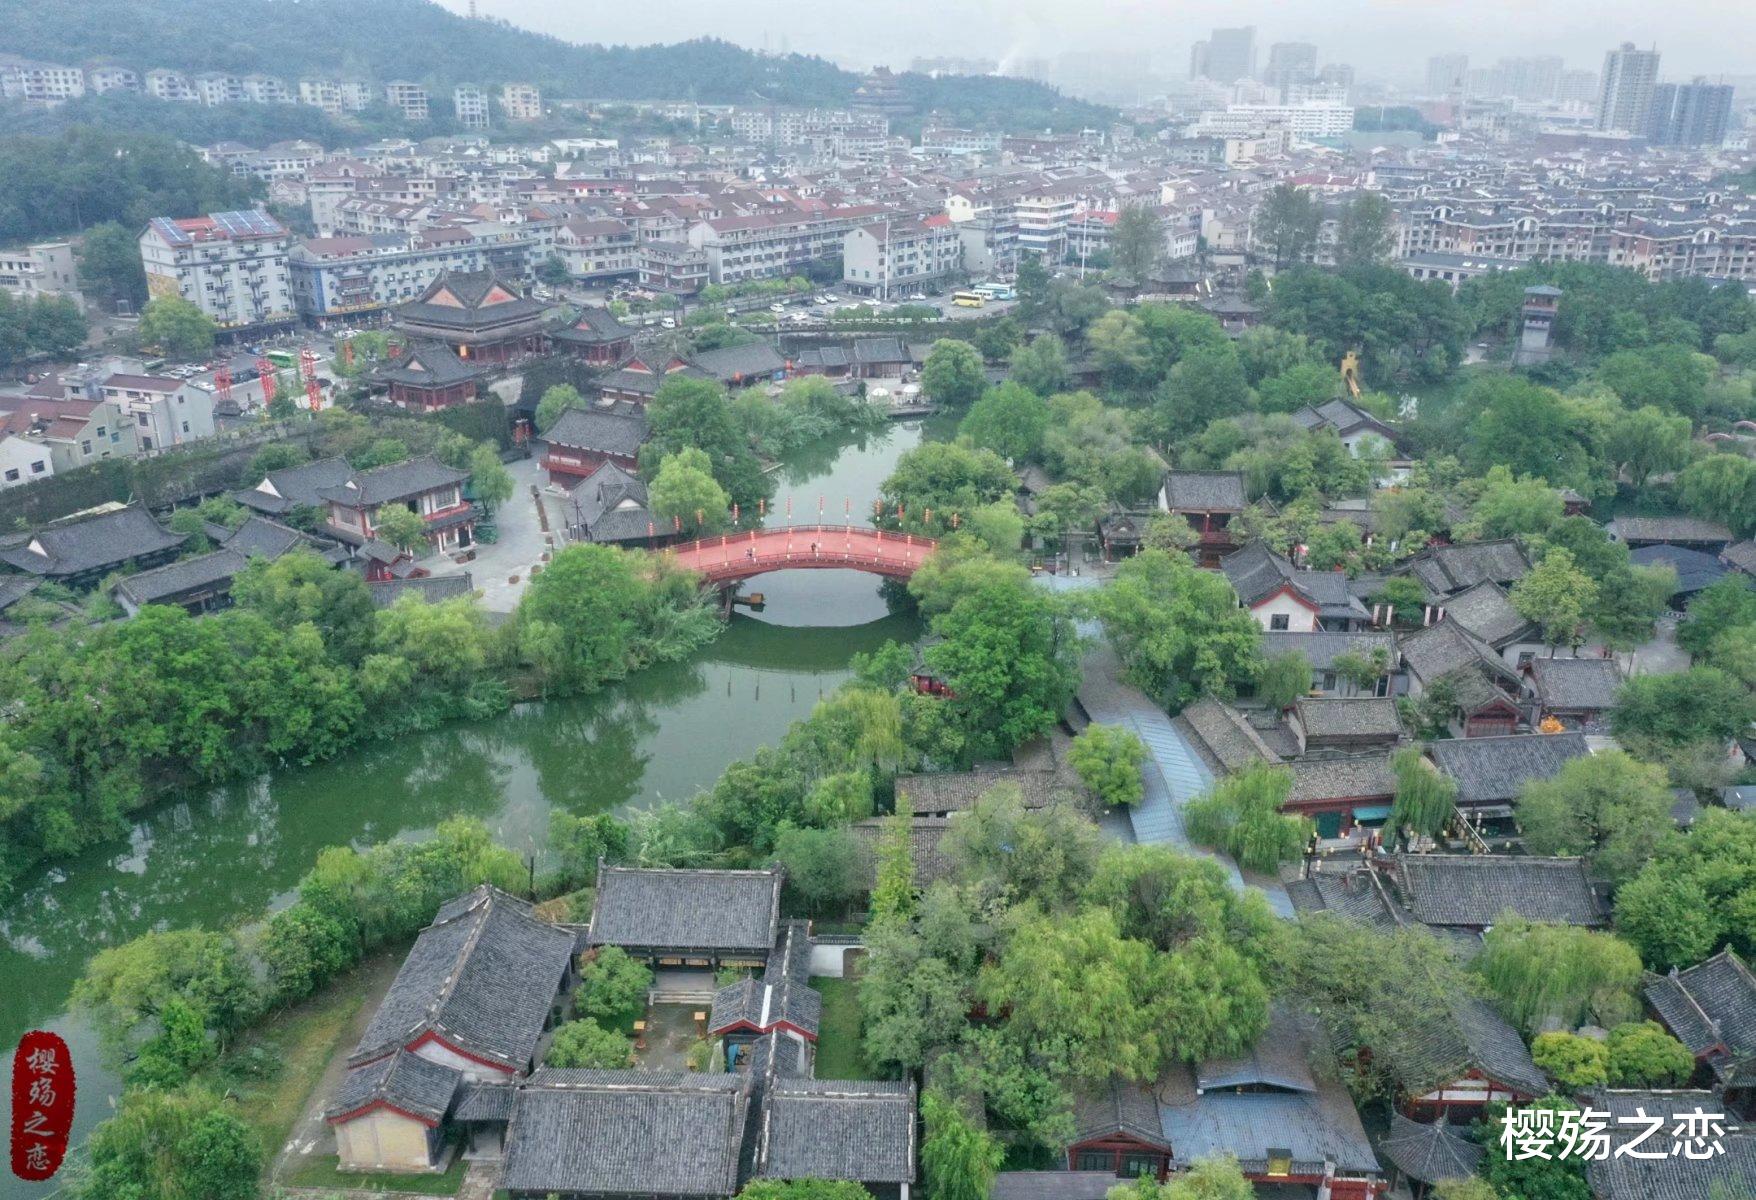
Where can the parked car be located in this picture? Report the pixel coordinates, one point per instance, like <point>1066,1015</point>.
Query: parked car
<point>777,308</point>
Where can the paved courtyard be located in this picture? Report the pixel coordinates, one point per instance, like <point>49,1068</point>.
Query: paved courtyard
<point>521,546</point>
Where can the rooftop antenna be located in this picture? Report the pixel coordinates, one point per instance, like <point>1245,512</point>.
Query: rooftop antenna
<point>472,9</point>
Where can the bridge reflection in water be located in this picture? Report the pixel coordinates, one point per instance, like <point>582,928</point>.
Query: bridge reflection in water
<point>738,556</point>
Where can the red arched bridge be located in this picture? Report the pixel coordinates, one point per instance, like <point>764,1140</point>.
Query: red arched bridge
<point>737,556</point>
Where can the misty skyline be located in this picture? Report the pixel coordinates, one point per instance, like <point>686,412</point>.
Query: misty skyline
<point>1387,39</point>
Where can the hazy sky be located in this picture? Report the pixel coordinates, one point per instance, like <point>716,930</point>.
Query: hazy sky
<point>1385,38</point>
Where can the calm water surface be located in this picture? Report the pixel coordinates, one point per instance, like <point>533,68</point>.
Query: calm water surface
<point>226,855</point>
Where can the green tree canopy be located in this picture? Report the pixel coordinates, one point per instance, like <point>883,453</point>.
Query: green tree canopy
<point>953,374</point>
<point>591,1045</point>
<point>1108,759</point>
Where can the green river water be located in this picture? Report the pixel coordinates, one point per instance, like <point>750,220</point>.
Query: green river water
<point>227,855</point>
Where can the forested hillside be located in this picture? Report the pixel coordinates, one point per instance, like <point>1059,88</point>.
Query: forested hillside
<point>415,39</point>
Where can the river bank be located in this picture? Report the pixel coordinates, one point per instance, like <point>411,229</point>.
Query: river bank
<point>228,853</point>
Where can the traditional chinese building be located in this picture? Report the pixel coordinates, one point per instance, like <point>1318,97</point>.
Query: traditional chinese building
<point>424,486</point>
<point>481,316</point>
<point>596,336</point>
<point>477,991</point>
<point>583,439</point>
<point>1208,500</point>
<point>429,377</point>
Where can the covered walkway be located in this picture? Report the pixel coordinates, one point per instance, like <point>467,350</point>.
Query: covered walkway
<point>1173,774</point>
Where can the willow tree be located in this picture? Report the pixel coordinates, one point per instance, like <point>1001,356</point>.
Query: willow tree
<point>958,1159</point>
<point>1542,973</point>
<point>1425,799</point>
<point>1242,816</point>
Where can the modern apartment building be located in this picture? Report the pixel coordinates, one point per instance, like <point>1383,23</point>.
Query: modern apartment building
<point>767,245</point>
<point>338,279</point>
<point>1289,63</point>
<point>1690,114</point>
<point>103,80</point>
<point>410,99</point>
<point>169,85</point>
<point>470,105</point>
<point>163,411</point>
<point>521,101</point>
<point>45,269</point>
<point>321,93</point>
<point>266,89</point>
<point>214,88</point>
<point>599,248</point>
<point>1308,119</point>
<point>43,84</point>
<point>892,258</point>
<point>1625,91</point>
<point>231,265</point>
<point>1447,74</point>
<point>1230,55</point>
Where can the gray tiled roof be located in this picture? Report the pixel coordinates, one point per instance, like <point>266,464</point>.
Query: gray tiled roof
<point>655,1133</point>
<point>593,326</point>
<point>482,977</point>
<point>91,544</point>
<point>1727,1176</point>
<point>1351,717</point>
<point>428,365</point>
<point>1485,611</point>
<point>470,288</point>
<point>1448,569</point>
<point>1712,1003</point>
<point>1256,573</point>
<point>1429,1153</point>
<point>1353,893</point>
<point>1475,889</point>
<point>1321,649</point>
<point>1447,649</point>
<point>189,574</point>
<point>485,1102</point>
<point>956,791</point>
<point>1669,529</point>
<point>393,481</point>
<point>608,431</point>
<point>925,835</point>
<point>404,1081</point>
<point>1278,1060</point>
<point>1741,555</point>
<point>706,910</point>
<point>1475,1037</point>
<point>1288,1109</point>
<point>612,506</point>
<point>261,537</point>
<point>1353,777</point>
<point>1696,570</point>
<point>1205,491</point>
<point>1052,1185</point>
<point>1119,1106</point>
<point>1576,684</point>
<point>781,994</point>
<point>1494,770</point>
<point>1224,735</point>
<point>430,588</point>
<point>731,364</point>
<point>294,487</point>
<point>835,1129</point>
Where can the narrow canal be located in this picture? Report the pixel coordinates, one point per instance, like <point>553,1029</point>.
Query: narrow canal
<point>226,855</point>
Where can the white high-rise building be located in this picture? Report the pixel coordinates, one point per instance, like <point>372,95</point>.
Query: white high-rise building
<point>470,103</point>
<point>230,265</point>
<point>1625,91</point>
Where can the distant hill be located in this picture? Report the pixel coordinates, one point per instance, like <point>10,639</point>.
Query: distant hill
<point>415,39</point>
